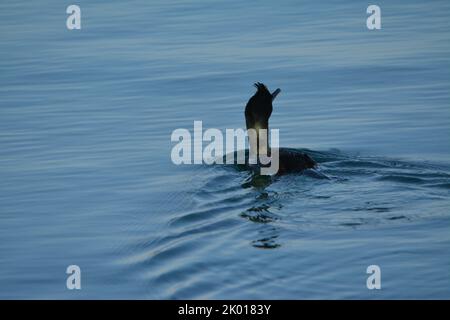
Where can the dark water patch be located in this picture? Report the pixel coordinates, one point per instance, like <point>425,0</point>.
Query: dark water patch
<point>321,197</point>
<point>263,196</point>
<point>351,224</point>
<point>402,179</point>
<point>258,217</point>
<point>375,209</point>
<point>400,217</point>
<point>266,243</point>
<point>261,208</point>
<point>259,214</point>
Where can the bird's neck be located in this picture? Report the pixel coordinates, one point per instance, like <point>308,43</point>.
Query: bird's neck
<point>258,141</point>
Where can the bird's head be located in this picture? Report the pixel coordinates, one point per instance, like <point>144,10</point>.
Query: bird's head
<point>259,107</point>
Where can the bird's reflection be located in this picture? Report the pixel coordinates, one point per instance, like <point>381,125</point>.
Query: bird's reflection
<point>257,181</point>
<point>268,234</point>
<point>261,212</point>
<point>267,242</point>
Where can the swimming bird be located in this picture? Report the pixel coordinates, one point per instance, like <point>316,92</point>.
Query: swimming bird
<point>257,113</point>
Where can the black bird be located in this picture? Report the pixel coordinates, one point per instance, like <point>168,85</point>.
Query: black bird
<point>257,114</point>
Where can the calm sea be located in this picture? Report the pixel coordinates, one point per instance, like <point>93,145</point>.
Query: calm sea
<point>86,176</point>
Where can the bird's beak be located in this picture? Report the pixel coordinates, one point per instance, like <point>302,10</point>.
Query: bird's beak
<point>275,93</point>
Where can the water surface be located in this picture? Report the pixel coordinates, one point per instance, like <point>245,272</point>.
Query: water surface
<point>85,170</point>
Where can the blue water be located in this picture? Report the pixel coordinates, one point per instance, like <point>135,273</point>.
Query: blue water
<point>86,176</point>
